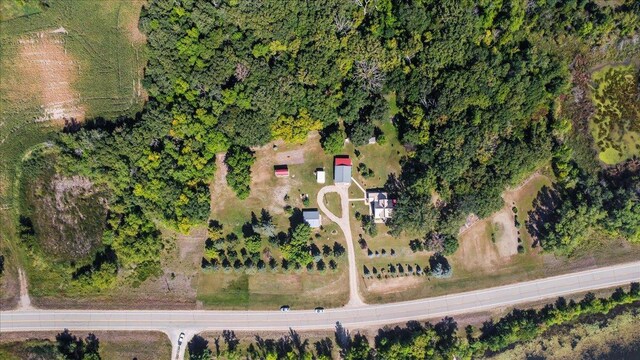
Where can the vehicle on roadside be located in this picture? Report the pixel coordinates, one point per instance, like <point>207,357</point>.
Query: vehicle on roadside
<point>318,310</point>
<point>180,339</point>
<point>285,308</point>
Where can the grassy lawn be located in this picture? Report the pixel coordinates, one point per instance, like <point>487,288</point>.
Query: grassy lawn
<point>10,9</point>
<point>113,345</point>
<point>332,201</point>
<point>383,159</point>
<point>269,291</point>
<point>130,345</point>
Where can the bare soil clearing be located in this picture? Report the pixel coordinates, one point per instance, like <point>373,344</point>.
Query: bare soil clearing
<point>50,72</point>
<point>476,252</point>
<point>386,286</point>
<point>507,236</point>
<point>290,157</point>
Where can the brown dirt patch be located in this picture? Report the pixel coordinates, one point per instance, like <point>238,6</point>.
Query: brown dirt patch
<point>506,233</point>
<point>290,157</point>
<point>49,71</point>
<point>476,252</point>
<point>219,188</point>
<point>387,286</point>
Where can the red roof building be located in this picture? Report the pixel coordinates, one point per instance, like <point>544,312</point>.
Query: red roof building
<point>342,170</point>
<point>282,171</point>
<point>344,161</point>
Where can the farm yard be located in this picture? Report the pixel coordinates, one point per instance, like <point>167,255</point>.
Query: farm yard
<point>492,251</point>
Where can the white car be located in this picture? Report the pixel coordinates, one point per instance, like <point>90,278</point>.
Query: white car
<point>180,339</point>
<point>318,310</point>
<point>284,308</point>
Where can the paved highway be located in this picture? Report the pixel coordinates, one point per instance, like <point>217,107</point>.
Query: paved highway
<point>173,322</point>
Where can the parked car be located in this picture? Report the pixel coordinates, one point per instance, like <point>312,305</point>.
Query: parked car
<point>180,339</point>
<point>319,310</point>
<point>285,308</point>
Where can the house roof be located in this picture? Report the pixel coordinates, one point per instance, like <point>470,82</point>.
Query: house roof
<point>320,176</point>
<point>282,170</point>
<point>312,217</point>
<point>311,214</point>
<point>342,174</point>
<point>343,161</point>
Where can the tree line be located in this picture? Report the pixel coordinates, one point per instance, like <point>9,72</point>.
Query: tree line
<point>415,340</point>
<point>474,84</point>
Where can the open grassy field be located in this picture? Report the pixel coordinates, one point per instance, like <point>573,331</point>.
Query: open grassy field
<point>64,62</point>
<point>113,345</point>
<point>10,9</point>
<point>616,124</point>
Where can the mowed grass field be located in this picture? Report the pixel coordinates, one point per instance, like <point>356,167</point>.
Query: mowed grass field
<point>66,60</point>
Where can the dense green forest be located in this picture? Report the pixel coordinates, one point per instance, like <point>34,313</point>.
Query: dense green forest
<point>476,85</point>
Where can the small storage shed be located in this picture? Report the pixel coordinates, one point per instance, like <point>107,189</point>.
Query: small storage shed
<point>320,176</point>
<point>281,171</point>
<point>312,217</point>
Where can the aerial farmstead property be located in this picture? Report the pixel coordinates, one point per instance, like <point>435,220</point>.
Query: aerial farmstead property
<point>313,155</point>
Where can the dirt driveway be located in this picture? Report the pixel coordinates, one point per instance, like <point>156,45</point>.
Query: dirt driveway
<point>354,295</point>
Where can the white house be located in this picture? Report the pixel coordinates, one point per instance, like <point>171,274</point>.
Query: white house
<point>380,206</point>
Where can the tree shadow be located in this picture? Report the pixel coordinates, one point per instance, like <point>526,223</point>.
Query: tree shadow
<point>296,218</point>
<point>198,347</point>
<point>542,213</point>
<point>324,347</point>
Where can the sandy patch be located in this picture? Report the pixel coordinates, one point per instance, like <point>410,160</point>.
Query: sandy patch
<point>394,285</point>
<point>506,233</point>
<point>476,251</point>
<point>49,71</point>
<point>131,23</point>
<point>290,157</point>
<point>219,188</point>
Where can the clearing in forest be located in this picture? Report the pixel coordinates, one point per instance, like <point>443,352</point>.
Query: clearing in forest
<point>616,124</point>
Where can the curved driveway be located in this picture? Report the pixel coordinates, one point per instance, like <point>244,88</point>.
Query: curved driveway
<point>354,295</point>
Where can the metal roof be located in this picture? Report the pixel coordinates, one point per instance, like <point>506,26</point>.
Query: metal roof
<point>342,174</point>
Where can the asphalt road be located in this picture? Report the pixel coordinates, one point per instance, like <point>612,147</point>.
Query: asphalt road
<point>173,322</point>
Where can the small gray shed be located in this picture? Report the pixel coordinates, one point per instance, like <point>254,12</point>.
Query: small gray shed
<point>312,217</point>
